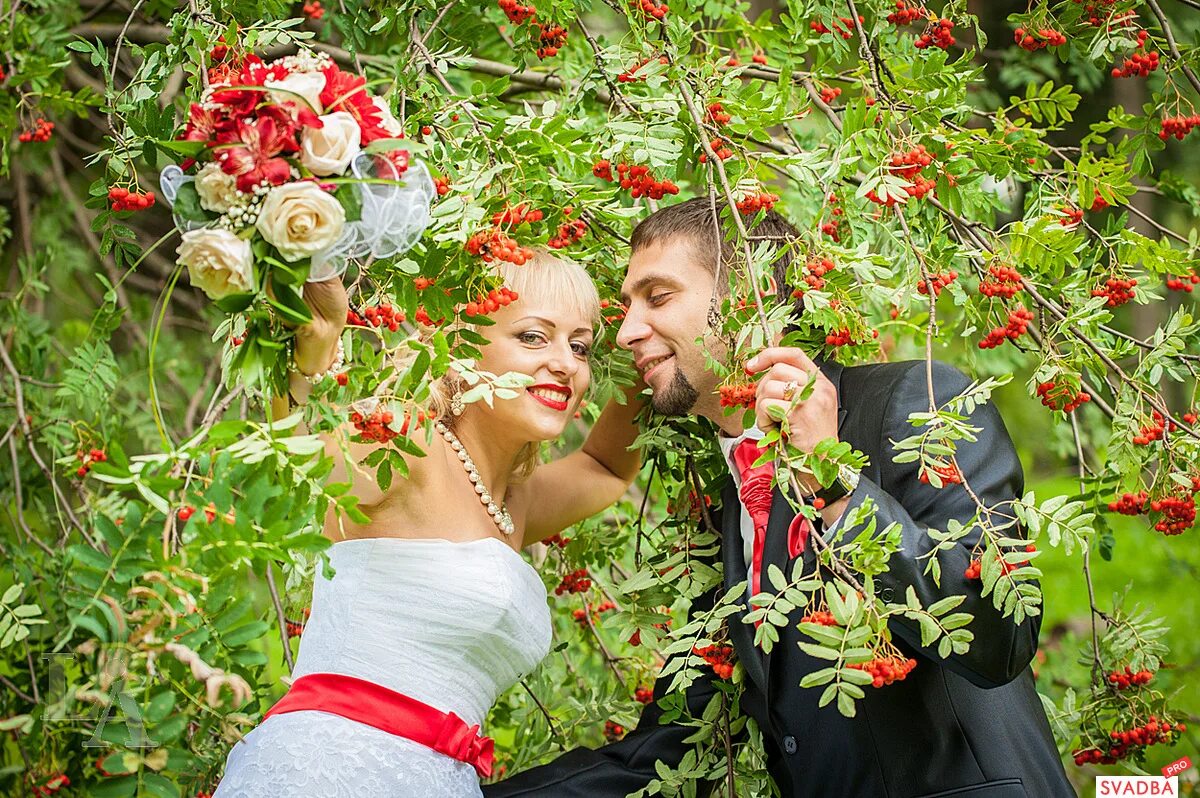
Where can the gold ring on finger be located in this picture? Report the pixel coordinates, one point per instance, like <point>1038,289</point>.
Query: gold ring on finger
<point>789,389</point>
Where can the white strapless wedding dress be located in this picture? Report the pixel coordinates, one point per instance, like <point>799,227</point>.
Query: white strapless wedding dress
<point>452,625</point>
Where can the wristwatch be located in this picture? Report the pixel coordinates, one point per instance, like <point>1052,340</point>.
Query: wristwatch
<point>844,485</point>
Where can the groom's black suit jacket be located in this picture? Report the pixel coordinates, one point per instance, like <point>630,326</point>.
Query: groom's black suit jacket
<point>968,726</point>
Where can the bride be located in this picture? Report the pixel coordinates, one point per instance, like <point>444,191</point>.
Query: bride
<point>432,611</point>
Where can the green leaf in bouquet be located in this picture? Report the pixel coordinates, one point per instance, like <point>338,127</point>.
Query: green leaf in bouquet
<point>187,204</point>
<point>188,149</point>
<point>234,303</point>
<point>282,271</point>
<point>351,200</point>
<point>288,303</point>
<point>384,146</point>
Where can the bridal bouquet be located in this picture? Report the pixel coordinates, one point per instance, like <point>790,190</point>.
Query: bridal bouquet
<point>291,169</point>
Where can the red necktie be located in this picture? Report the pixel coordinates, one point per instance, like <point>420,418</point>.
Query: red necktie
<point>755,494</point>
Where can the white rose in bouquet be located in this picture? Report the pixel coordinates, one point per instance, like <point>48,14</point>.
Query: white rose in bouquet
<point>329,149</point>
<point>300,220</point>
<point>387,120</point>
<point>308,85</point>
<point>218,262</point>
<point>218,190</point>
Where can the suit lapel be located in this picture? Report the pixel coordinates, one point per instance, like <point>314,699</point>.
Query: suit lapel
<point>740,632</point>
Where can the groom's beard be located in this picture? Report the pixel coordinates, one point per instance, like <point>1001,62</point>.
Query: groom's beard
<point>678,398</point>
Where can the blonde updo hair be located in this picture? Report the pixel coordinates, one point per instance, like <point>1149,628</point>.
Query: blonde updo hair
<point>546,278</point>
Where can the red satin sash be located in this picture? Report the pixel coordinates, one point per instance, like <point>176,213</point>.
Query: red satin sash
<point>392,712</point>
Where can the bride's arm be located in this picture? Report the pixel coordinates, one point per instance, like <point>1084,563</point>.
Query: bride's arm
<point>315,351</point>
<point>586,481</point>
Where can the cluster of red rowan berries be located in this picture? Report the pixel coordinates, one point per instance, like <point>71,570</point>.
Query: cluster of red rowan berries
<point>820,617</point>
<point>1178,126</point>
<point>517,214</point>
<point>581,615</point>
<point>739,395</point>
<point>717,114</point>
<point>1151,432</point>
<point>442,184</point>
<point>1183,282</point>
<point>383,315</point>
<point>631,75</point>
<point>938,281</point>
<point>551,39</point>
<point>832,226</point>
<point>720,148</point>
<point>1018,323</point>
<point>52,785</point>
<point>313,9</point>
<point>844,337</point>
<point>517,13</point>
<point>569,233</point>
<point>906,14</point>
<point>490,302</point>
<point>1101,14</point>
<point>613,731</point>
<point>643,695</point>
<point>1124,679</point>
<point>830,93</point>
<point>1178,513</point>
<point>814,275</point>
<point>885,670</point>
<point>122,199</point>
<point>1116,291</point>
<point>296,628</point>
<point>760,201</point>
<point>975,567</point>
<point>1071,217</point>
<point>637,180</point>
<point>574,582</point>
<point>1098,203</point>
<point>1006,282</point>
<point>651,9</point>
<point>1061,397</point>
<point>908,165</point>
<point>557,540</point>
<point>42,131</point>
<point>719,657</point>
<point>1125,743</point>
<point>376,426</point>
<point>937,35</point>
<point>1032,40</point>
<point>1129,503</point>
<point>757,58</point>
<point>86,460</point>
<point>611,312</point>
<point>842,26</point>
<point>1138,65</point>
<point>495,244</point>
<point>948,473</point>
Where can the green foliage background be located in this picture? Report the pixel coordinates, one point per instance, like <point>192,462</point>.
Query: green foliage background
<point>105,346</point>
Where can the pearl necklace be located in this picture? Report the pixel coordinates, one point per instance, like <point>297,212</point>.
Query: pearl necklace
<point>499,513</point>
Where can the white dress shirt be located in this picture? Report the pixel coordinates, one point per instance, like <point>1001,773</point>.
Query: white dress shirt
<point>728,445</point>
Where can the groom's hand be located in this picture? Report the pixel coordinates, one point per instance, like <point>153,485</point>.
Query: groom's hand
<point>786,371</point>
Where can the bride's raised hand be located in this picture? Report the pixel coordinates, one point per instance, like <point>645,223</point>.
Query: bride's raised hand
<point>316,341</point>
<point>328,302</point>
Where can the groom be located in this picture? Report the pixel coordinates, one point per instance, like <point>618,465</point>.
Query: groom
<point>970,726</point>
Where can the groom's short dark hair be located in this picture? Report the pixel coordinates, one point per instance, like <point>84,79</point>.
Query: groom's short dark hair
<point>697,221</point>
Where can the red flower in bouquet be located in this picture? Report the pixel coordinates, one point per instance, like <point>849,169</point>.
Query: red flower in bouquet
<point>251,152</point>
<point>346,92</point>
<point>204,123</point>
